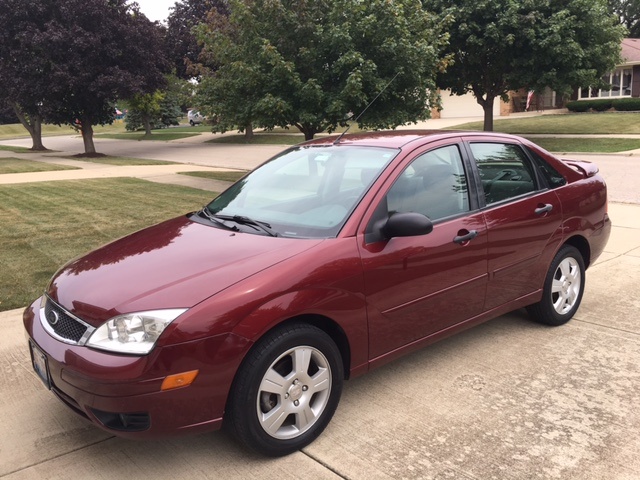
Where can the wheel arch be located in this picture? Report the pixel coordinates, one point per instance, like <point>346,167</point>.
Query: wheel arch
<point>582,245</point>
<point>324,323</point>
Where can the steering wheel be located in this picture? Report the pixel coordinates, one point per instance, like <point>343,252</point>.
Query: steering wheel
<point>507,172</point>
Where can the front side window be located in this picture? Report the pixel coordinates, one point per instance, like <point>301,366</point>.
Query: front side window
<point>434,184</point>
<point>306,192</point>
<point>505,171</point>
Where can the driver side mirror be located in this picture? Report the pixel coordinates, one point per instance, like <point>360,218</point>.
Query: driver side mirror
<point>407,224</point>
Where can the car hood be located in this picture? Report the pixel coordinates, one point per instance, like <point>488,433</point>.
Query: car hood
<point>175,264</point>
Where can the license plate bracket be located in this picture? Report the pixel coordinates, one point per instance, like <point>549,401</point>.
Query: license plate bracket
<point>40,364</point>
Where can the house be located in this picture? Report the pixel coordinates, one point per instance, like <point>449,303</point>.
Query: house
<point>624,80</point>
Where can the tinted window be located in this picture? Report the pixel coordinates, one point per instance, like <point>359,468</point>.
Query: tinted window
<point>504,169</point>
<point>434,185</point>
<point>550,174</point>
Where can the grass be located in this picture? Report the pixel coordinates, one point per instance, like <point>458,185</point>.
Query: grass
<point>213,175</point>
<point>120,161</point>
<point>164,135</point>
<point>16,130</point>
<point>47,224</point>
<point>17,165</point>
<point>583,123</point>
<point>261,139</point>
<point>587,145</point>
<point>9,148</point>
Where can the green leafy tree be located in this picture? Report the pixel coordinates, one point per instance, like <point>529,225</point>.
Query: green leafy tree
<point>144,110</point>
<point>159,109</point>
<point>503,45</point>
<point>309,63</point>
<point>628,11</point>
<point>181,44</point>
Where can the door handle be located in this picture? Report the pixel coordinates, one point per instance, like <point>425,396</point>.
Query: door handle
<point>544,209</point>
<point>465,238</point>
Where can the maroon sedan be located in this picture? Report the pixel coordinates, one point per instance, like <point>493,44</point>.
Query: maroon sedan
<point>333,258</point>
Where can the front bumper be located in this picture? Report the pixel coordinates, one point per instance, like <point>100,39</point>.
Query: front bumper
<point>122,394</point>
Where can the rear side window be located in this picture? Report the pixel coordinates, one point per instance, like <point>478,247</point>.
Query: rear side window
<point>550,174</point>
<point>505,171</point>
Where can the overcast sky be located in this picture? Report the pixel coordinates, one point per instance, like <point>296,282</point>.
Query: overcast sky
<point>156,9</point>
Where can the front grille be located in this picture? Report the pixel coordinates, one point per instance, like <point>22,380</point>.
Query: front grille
<point>62,323</point>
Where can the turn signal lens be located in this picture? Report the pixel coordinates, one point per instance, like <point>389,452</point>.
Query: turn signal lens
<point>179,380</point>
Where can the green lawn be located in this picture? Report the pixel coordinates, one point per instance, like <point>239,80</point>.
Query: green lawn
<point>261,139</point>
<point>587,145</point>
<point>46,224</point>
<point>582,123</point>
<point>223,176</point>
<point>163,135</point>
<point>9,148</point>
<point>16,130</point>
<point>121,161</point>
<point>17,165</point>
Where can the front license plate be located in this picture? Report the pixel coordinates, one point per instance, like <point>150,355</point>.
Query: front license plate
<point>39,361</point>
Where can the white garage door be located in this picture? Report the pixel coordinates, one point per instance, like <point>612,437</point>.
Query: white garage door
<point>463,106</point>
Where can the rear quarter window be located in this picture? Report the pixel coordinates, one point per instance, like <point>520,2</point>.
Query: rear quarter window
<point>550,174</point>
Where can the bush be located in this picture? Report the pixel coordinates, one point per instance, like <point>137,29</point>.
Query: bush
<point>579,106</point>
<point>603,104</point>
<point>627,104</point>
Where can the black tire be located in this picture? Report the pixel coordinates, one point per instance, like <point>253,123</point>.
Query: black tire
<point>192,123</point>
<point>563,288</point>
<point>302,400</point>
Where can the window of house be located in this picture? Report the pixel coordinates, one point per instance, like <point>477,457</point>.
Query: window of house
<point>620,81</point>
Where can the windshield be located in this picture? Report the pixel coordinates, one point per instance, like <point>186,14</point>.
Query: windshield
<point>305,192</point>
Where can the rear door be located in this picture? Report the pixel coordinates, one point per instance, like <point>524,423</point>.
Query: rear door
<point>523,220</point>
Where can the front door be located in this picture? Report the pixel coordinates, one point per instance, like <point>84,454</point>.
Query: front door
<point>417,286</point>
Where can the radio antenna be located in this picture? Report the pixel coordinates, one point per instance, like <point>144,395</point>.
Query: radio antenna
<point>337,140</point>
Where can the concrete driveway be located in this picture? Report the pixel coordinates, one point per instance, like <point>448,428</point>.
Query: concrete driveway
<point>509,399</point>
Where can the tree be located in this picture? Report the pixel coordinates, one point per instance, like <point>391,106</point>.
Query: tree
<point>100,51</point>
<point>24,70</point>
<point>181,43</point>
<point>628,11</point>
<point>67,61</point>
<point>503,45</point>
<point>158,109</point>
<point>309,63</point>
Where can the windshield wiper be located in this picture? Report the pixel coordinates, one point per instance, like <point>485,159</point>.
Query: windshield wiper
<point>212,218</point>
<point>242,220</point>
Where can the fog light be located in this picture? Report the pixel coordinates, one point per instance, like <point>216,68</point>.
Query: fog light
<point>179,380</point>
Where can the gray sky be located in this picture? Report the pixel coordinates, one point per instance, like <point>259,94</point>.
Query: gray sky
<point>156,9</point>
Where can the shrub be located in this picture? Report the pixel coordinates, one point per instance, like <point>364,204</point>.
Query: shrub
<point>579,106</point>
<point>627,104</point>
<point>602,104</point>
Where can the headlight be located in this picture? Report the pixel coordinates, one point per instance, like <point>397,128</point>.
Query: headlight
<point>133,333</point>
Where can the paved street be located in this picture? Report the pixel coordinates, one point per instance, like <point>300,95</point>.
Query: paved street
<point>509,399</point>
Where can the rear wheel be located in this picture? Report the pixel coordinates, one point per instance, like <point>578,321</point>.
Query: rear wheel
<point>286,390</point>
<point>563,288</point>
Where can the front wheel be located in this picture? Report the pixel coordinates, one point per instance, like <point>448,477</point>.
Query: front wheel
<point>286,390</point>
<point>563,288</point>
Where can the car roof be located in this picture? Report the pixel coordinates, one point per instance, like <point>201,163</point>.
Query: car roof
<point>398,138</point>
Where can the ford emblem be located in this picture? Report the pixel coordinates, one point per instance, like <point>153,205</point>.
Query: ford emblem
<point>52,317</point>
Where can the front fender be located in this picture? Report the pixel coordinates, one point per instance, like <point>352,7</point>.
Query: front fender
<point>340,308</point>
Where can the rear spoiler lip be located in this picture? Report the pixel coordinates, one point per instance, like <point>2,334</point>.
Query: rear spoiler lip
<point>587,169</point>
